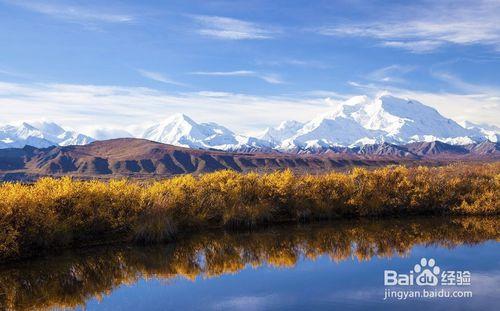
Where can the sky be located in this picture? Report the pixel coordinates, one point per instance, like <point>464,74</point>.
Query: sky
<point>244,64</point>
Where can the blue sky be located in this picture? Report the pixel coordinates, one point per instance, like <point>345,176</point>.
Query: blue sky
<point>244,64</point>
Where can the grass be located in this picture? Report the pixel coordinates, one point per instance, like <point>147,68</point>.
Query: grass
<point>54,213</point>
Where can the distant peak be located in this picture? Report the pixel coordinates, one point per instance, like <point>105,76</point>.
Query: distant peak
<point>26,124</point>
<point>288,124</point>
<point>180,117</point>
<point>383,94</point>
<point>389,97</point>
<point>356,100</point>
<point>48,123</point>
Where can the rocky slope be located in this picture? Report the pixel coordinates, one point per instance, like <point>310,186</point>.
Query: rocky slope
<point>139,158</point>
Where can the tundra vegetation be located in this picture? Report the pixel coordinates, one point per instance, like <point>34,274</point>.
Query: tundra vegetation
<point>58,213</point>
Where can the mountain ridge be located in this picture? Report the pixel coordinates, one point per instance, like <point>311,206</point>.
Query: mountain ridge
<point>39,134</point>
<point>140,158</point>
<point>353,123</point>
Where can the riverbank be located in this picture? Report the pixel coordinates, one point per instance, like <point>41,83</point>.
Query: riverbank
<point>65,213</point>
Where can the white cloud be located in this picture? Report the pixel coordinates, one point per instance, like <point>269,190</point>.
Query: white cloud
<point>236,73</point>
<point>390,74</point>
<point>486,283</point>
<point>73,12</point>
<point>232,29</point>
<point>159,77</point>
<point>428,28</point>
<point>294,62</point>
<point>272,78</point>
<point>105,132</point>
<point>269,78</point>
<point>418,46</point>
<point>13,73</point>
<point>251,302</point>
<point>85,107</point>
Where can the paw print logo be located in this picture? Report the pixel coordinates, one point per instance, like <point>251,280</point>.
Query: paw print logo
<point>427,271</point>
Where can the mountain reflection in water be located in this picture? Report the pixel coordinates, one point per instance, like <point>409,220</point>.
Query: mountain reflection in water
<point>72,278</point>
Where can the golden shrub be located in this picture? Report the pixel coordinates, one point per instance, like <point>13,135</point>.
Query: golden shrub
<point>63,212</point>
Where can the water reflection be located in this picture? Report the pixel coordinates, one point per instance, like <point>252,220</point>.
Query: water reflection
<point>72,278</point>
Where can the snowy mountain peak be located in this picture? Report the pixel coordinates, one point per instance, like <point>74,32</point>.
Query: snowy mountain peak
<point>49,128</point>
<point>25,130</point>
<point>179,117</point>
<point>289,124</point>
<point>41,135</point>
<point>27,126</point>
<point>181,130</point>
<point>491,132</point>
<point>384,118</point>
<point>285,130</point>
<point>357,121</point>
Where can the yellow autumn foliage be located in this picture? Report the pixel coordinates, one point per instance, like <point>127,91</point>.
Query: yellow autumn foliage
<point>52,213</point>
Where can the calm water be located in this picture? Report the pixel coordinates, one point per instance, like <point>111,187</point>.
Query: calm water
<point>337,265</point>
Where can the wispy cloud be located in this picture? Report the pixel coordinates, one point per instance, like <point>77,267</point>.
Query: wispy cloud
<point>418,46</point>
<point>13,73</point>
<point>236,73</point>
<point>390,74</point>
<point>444,22</point>
<point>269,78</point>
<point>295,62</point>
<point>232,29</point>
<point>74,13</point>
<point>82,107</point>
<point>251,302</point>
<point>159,77</point>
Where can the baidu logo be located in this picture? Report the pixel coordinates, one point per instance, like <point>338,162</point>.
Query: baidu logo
<point>427,273</point>
<point>426,280</point>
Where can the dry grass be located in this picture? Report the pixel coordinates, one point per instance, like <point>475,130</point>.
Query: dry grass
<point>65,212</point>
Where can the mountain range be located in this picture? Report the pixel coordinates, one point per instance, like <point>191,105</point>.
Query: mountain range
<point>141,158</point>
<point>356,122</point>
<point>40,134</point>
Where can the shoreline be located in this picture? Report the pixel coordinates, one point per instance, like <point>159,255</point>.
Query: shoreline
<point>64,213</point>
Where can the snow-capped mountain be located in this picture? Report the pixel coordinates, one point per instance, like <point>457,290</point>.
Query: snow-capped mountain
<point>356,122</point>
<point>40,135</point>
<point>181,130</point>
<point>55,133</point>
<point>276,135</point>
<point>361,120</point>
<point>491,132</point>
<point>19,136</point>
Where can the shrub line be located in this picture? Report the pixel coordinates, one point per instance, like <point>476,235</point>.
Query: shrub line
<point>55,213</point>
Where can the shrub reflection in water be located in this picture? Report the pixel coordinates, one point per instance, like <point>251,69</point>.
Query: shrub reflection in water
<point>72,278</point>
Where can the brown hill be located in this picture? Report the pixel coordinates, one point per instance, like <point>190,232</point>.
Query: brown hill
<point>435,148</point>
<point>139,158</point>
<point>143,158</point>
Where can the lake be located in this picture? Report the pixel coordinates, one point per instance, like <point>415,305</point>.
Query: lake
<point>328,265</point>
